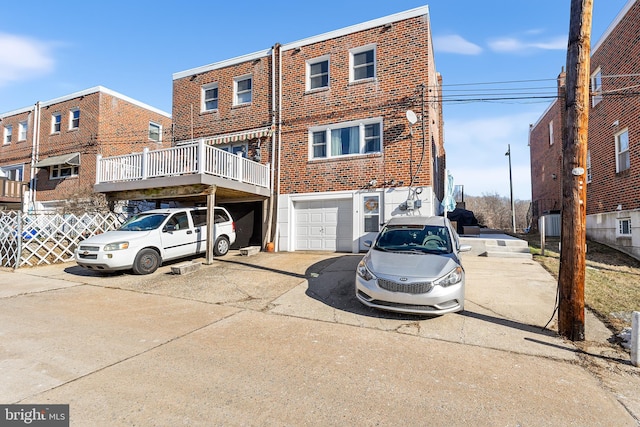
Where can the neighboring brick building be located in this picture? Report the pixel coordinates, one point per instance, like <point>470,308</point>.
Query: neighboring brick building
<point>52,145</point>
<point>613,181</point>
<point>329,113</point>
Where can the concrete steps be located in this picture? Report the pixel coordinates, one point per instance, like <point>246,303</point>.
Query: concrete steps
<point>497,245</point>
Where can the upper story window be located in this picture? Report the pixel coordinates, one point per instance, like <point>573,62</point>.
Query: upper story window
<point>318,73</point>
<point>622,151</point>
<point>242,88</point>
<point>551,132</point>
<point>63,171</point>
<point>588,166</point>
<point>22,131</point>
<point>74,118</point>
<point>8,134</point>
<point>346,139</point>
<point>210,97</point>
<point>596,87</point>
<point>155,132</point>
<point>362,63</point>
<point>56,120</point>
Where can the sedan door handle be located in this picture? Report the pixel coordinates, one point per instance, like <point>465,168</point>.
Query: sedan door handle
<point>189,232</point>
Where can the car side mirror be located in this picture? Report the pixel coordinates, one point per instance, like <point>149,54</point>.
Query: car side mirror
<point>464,248</point>
<point>169,228</point>
<point>367,243</point>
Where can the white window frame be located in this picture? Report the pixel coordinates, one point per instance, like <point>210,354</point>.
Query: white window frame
<point>63,171</point>
<point>361,124</point>
<point>624,227</point>
<point>74,122</point>
<point>8,135</point>
<point>358,50</point>
<point>22,131</point>
<point>205,88</point>
<point>312,62</point>
<point>158,126</point>
<point>237,94</point>
<point>588,166</point>
<point>620,152</point>
<point>56,123</point>
<point>551,132</point>
<point>596,87</point>
<point>13,172</point>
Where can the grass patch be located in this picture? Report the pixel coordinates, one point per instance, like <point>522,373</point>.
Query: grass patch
<point>612,279</point>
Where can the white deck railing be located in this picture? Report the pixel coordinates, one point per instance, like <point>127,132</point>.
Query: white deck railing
<point>194,158</point>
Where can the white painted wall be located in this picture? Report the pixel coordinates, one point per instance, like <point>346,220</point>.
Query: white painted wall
<point>603,228</point>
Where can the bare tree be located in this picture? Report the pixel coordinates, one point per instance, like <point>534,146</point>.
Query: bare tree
<point>494,211</point>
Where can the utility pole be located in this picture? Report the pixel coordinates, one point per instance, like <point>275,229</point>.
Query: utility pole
<point>574,160</point>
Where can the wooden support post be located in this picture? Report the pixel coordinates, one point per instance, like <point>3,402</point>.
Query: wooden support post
<point>571,317</point>
<point>211,202</point>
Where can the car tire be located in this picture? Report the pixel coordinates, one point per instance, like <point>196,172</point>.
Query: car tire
<point>147,261</point>
<point>221,246</point>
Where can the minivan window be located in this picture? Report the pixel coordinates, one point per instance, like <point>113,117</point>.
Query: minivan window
<point>143,222</point>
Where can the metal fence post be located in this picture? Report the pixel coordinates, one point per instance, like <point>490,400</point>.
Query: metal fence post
<point>19,240</point>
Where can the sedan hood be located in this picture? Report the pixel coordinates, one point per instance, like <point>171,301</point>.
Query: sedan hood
<point>115,236</point>
<point>425,266</point>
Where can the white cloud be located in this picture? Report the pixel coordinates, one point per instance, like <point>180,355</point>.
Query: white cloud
<point>23,58</point>
<point>512,44</point>
<point>455,44</point>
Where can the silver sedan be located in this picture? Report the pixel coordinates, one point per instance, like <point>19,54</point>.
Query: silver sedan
<point>413,267</point>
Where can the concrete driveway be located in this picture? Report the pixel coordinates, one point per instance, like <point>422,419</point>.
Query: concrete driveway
<point>279,339</point>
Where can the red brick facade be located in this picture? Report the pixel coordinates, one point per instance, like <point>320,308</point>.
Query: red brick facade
<point>403,62</point>
<point>109,124</point>
<point>616,109</point>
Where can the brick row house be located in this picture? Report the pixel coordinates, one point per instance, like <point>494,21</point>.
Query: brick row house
<point>48,150</point>
<point>613,157</point>
<point>349,123</point>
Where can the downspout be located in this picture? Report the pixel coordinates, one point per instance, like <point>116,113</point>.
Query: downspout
<point>35,152</point>
<point>279,132</point>
<point>270,236</point>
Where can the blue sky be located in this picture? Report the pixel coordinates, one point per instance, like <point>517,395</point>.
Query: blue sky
<point>52,49</point>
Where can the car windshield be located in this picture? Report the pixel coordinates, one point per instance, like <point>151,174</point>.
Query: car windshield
<point>143,222</point>
<point>414,238</point>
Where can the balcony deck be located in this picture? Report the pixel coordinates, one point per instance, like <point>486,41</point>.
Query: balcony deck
<point>185,170</point>
<point>11,191</point>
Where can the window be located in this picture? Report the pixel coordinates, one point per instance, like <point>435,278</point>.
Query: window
<point>22,131</point>
<point>622,151</point>
<point>551,132</point>
<point>74,119</point>
<point>363,63</point>
<point>155,132</point>
<point>318,73</point>
<point>346,139</point>
<point>63,171</point>
<point>371,209</point>
<point>56,119</point>
<point>13,173</point>
<point>242,88</point>
<point>588,166</point>
<point>624,227</point>
<point>210,97</point>
<point>8,133</point>
<point>596,87</point>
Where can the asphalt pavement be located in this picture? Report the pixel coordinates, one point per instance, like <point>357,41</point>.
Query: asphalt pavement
<point>279,339</point>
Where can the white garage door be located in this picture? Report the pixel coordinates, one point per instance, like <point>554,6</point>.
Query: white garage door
<point>323,225</point>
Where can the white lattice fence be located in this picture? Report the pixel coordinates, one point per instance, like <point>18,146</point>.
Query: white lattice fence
<point>49,238</point>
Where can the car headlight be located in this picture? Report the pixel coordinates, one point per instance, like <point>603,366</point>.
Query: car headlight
<point>452,278</point>
<point>116,246</point>
<point>364,272</point>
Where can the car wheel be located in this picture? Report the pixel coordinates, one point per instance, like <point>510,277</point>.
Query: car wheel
<point>221,247</point>
<point>147,261</point>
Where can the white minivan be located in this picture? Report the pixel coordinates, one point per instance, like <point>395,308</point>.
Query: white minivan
<point>148,239</point>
